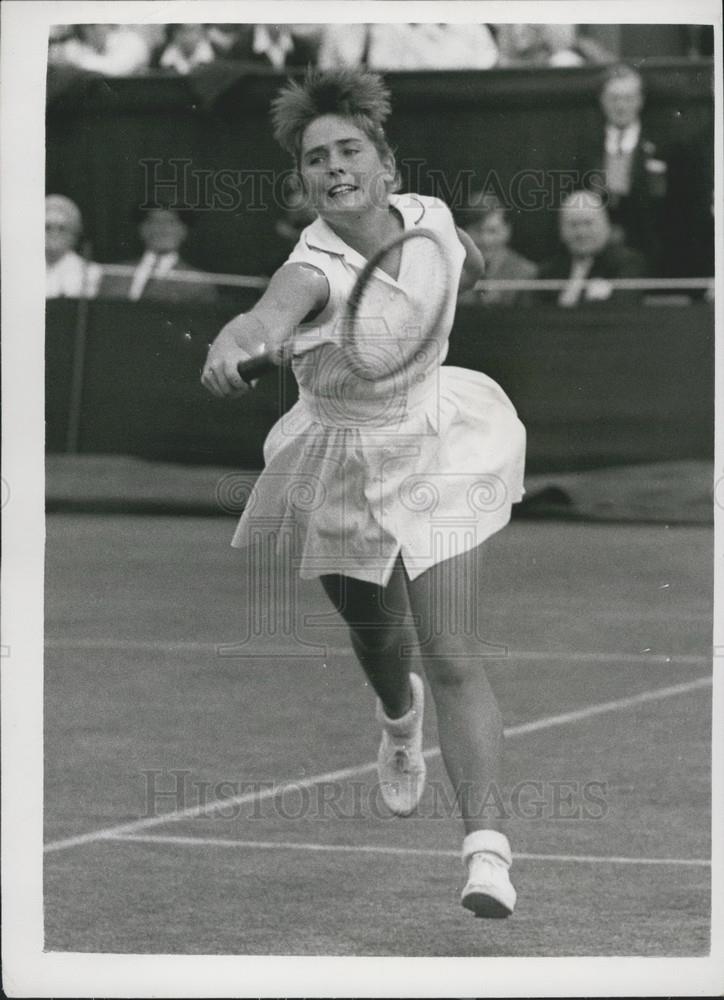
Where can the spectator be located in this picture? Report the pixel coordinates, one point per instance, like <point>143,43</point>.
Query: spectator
<point>186,46</point>
<point>153,35</point>
<point>555,45</point>
<point>628,164</point>
<point>58,35</point>
<point>163,232</point>
<point>590,258</point>
<point>408,46</point>
<point>67,274</point>
<point>491,231</point>
<point>110,49</point>
<point>223,37</point>
<point>276,46</point>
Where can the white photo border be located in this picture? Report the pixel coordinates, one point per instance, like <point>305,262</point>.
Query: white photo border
<point>27,969</point>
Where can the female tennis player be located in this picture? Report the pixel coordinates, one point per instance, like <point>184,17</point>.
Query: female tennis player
<point>389,480</point>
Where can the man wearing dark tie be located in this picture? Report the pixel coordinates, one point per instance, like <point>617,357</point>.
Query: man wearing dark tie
<point>163,231</point>
<point>590,258</point>
<point>625,164</point>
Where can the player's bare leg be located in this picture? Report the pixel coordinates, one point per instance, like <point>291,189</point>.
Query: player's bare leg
<point>469,722</point>
<point>380,627</point>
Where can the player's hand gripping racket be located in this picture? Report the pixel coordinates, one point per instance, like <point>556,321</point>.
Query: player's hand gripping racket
<point>390,354</point>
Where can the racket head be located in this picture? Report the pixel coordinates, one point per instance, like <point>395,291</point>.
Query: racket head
<point>394,353</point>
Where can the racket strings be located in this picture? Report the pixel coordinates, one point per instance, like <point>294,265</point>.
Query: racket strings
<point>382,344</point>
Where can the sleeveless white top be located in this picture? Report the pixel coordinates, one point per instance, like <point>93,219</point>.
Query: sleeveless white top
<point>424,465</point>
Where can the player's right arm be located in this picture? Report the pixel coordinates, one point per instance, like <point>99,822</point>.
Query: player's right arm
<point>295,291</point>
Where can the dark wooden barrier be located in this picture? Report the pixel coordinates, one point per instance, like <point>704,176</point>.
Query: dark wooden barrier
<point>594,386</point>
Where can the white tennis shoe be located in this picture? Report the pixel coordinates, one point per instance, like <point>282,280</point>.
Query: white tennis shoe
<point>400,764</point>
<point>489,891</point>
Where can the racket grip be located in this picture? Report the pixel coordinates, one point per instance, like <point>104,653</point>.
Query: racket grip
<point>254,367</point>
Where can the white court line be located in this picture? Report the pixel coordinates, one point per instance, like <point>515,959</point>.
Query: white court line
<point>291,845</point>
<point>190,646</point>
<point>547,722</point>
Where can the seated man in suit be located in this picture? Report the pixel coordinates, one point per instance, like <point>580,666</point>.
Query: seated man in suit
<point>488,224</point>
<point>163,232</point>
<point>590,258</point>
<point>620,159</point>
<point>67,274</point>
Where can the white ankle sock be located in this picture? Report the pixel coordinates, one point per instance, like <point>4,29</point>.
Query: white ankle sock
<point>487,842</point>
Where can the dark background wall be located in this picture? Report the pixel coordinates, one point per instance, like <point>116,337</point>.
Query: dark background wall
<point>517,129</point>
<point>594,386</point>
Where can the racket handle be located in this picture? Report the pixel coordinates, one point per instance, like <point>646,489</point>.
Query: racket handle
<point>254,367</point>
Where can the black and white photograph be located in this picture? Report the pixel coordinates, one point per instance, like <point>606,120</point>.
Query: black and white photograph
<point>359,494</point>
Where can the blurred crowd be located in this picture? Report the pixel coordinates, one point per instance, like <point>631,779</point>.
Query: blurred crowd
<point>610,228</point>
<point>125,50</point>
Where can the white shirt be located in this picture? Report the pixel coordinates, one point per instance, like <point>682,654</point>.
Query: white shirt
<point>174,58</point>
<point>275,49</point>
<point>125,53</point>
<point>580,266</point>
<point>72,277</point>
<point>150,265</point>
<point>388,301</point>
<point>622,140</point>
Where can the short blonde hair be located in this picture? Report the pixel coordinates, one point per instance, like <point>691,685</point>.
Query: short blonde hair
<point>355,94</point>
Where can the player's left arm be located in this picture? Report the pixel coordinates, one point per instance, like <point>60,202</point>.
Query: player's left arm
<point>473,265</point>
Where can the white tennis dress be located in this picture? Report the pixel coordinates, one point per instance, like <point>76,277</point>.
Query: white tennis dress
<point>425,464</point>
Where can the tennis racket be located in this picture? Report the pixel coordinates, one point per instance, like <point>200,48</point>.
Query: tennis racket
<point>384,355</point>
